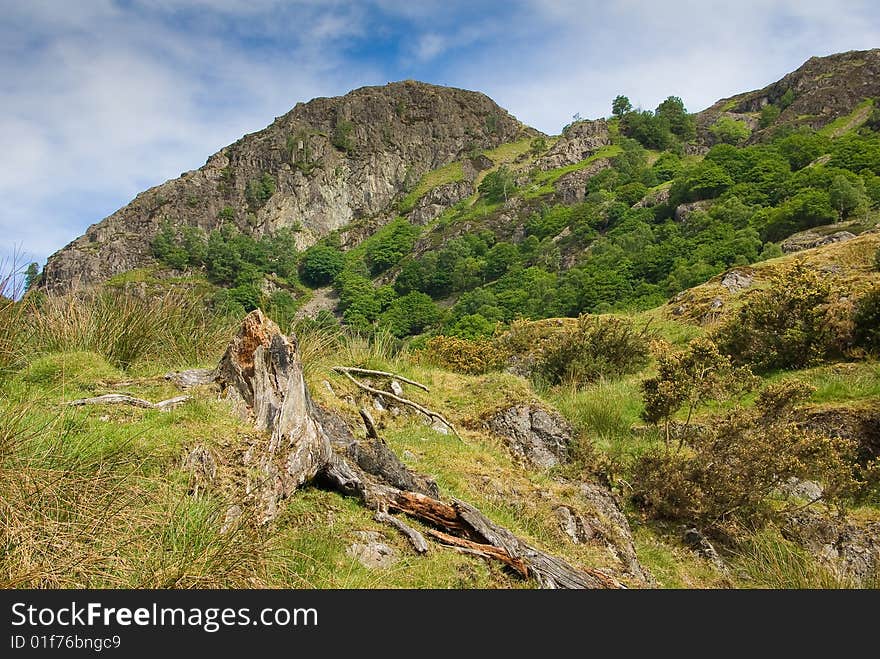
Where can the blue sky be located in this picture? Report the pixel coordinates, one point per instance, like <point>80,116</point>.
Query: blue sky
<point>101,99</point>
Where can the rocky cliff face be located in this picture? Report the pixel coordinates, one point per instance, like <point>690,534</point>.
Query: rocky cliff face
<point>821,90</point>
<point>317,168</point>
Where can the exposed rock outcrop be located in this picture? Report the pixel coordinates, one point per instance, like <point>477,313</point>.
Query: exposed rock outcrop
<point>850,548</point>
<point>581,140</point>
<point>811,239</point>
<point>534,434</point>
<point>329,161</point>
<point>572,188</point>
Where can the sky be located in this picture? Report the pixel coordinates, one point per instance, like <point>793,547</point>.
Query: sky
<point>102,99</point>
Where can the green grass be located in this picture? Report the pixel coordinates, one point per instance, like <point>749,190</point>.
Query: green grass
<point>769,561</point>
<point>853,120</point>
<point>451,173</point>
<point>838,383</point>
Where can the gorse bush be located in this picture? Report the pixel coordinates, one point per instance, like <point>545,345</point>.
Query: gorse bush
<point>470,356</point>
<point>797,321</point>
<point>867,322</point>
<point>689,378</point>
<point>722,479</point>
<point>596,347</point>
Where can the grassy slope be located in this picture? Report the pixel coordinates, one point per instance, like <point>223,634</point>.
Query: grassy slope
<point>162,533</point>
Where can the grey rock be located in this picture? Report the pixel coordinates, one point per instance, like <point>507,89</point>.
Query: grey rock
<point>810,239</point>
<point>655,198</point>
<point>602,520</point>
<point>371,552</point>
<point>396,389</point>
<point>736,280</point>
<point>683,211</point>
<point>801,489</point>
<point>571,188</point>
<point>581,140</point>
<point>432,205</point>
<point>693,538</point>
<point>532,433</point>
<point>850,548</point>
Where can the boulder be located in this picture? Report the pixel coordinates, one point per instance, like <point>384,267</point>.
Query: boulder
<point>371,552</point>
<point>736,281</point>
<point>538,436</point>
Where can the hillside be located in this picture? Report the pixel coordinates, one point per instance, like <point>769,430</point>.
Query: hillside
<point>142,497</point>
<point>640,353</point>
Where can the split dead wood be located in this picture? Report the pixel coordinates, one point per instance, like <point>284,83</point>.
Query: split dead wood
<point>403,401</point>
<point>417,540</point>
<point>124,399</point>
<point>369,424</point>
<point>261,373</point>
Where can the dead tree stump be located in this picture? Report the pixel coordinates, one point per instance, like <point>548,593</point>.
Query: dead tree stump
<point>262,375</point>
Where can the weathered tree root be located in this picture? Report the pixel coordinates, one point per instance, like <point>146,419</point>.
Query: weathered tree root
<point>262,374</point>
<point>123,399</point>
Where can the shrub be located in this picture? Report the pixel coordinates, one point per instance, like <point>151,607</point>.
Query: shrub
<point>320,264</point>
<point>497,186</point>
<point>342,138</point>
<point>797,321</point>
<point>867,322</point>
<point>730,131</point>
<point>259,191</point>
<point>471,356</point>
<point>596,347</point>
<point>769,114</point>
<point>723,480</point>
<point>688,379</point>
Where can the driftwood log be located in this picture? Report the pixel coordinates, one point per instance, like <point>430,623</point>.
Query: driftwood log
<point>262,375</point>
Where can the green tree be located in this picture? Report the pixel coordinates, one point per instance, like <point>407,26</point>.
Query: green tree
<point>497,186</point>
<point>769,114</point>
<point>730,131</point>
<point>31,276</point>
<point>411,314</point>
<point>673,112</point>
<point>320,264</point>
<point>846,196</point>
<point>620,106</point>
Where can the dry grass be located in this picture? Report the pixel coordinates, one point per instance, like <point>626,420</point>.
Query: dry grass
<point>125,327</point>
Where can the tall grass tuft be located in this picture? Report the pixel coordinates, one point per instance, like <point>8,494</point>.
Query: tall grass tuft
<point>770,561</point>
<point>11,334</point>
<point>126,327</point>
<point>76,512</point>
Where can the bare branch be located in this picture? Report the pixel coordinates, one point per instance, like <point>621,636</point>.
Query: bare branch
<point>366,371</point>
<point>404,401</point>
<point>416,539</point>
